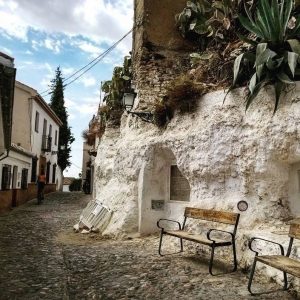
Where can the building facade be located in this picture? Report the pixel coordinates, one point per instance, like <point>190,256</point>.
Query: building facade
<point>7,82</point>
<point>34,146</point>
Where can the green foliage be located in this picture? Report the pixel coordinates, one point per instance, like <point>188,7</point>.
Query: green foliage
<point>114,90</point>
<point>277,48</point>
<point>182,96</point>
<point>120,82</point>
<point>208,20</point>
<point>57,103</point>
<point>75,186</point>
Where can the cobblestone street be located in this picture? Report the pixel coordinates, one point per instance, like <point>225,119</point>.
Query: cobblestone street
<point>42,258</point>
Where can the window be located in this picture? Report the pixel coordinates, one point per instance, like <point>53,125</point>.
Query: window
<point>179,185</point>
<point>33,169</point>
<point>53,173</point>
<point>24,179</point>
<point>45,127</point>
<point>55,137</point>
<point>37,120</point>
<point>50,130</point>
<point>6,177</point>
<point>48,172</point>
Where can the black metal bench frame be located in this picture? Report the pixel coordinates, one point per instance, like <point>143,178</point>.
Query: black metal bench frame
<point>294,233</point>
<point>209,215</point>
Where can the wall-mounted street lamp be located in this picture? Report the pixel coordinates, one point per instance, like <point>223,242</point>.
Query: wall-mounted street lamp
<point>128,102</point>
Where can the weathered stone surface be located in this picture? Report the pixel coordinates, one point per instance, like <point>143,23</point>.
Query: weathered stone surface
<point>227,155</point>
<point>42,258</point>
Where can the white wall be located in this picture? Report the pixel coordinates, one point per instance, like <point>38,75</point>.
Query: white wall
<point>66,188</point>
<point>36,137</point>
<point>19,160</point>
<point>294,189</point>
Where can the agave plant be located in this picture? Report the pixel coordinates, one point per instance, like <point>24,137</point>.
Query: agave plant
<point>276,44</point>
<point>207,19</point>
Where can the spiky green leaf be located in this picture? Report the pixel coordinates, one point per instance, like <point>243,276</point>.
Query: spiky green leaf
<point>278,90</point>
<point>284,78</point>
<point>292,61</point>
<point>295,45</point>
<point>236,68</point>
<point>252,83</point>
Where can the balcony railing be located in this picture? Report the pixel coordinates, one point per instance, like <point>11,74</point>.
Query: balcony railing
<point>46,143</point>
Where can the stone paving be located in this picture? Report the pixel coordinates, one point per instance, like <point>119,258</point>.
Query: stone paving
<point>42,258</point>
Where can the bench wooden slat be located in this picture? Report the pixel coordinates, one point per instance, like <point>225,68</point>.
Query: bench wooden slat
<point>282,263</point>
<point>295,231</point>
<point>196,237</point>
<point>211,215</point>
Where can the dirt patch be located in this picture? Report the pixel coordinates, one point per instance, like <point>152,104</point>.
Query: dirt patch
<point>71,238</point>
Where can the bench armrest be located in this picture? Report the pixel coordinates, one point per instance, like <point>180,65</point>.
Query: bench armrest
<point>210,230</point>
<point>257,238</point>
<point>158,225</point>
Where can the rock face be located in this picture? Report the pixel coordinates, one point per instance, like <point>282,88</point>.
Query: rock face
<point>227,155</point>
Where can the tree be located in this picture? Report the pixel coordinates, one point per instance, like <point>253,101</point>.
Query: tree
<point>75,186</point>
<point>66,138</point>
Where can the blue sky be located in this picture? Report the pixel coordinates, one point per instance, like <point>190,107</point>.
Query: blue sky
<point>42,35</point>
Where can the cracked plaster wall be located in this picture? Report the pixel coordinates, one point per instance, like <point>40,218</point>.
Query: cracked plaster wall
<point>227,155</point>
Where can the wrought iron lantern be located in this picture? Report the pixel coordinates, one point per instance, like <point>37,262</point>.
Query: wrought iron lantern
<point>128,102</point>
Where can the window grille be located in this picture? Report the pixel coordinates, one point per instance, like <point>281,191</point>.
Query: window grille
<point>47,143</point>
<point>24,179</point>
<point>6,177</point>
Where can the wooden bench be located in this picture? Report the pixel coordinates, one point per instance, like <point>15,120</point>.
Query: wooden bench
<point>207,215</point>
<point>281,262</point>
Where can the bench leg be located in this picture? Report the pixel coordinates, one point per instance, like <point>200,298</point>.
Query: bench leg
<point>160,242</point>
<point>285,286</point>
<point>251,276</point>
<point>234,257</point>
<point>211,260</point>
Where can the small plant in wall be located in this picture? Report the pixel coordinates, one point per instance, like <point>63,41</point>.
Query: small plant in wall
<point>182,96</point>
<point>214,27</point>
<point>274,55</point>
<point>114,90</point>
<point>208,22</point>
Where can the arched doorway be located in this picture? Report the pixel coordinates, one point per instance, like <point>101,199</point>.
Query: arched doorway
<point>163,190</point>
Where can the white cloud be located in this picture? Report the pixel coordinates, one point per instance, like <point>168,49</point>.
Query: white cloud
<point>86,108</point>
<point>52,45</point>
<point>67,71</point>
<point>69,103</point>
<point>89,48</point>
<point>6,51</point>
<point>85,18</point>
<point>91,100</point>
<point>88,80</point>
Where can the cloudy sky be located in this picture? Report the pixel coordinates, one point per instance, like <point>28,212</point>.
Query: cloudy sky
<point>42,35</point>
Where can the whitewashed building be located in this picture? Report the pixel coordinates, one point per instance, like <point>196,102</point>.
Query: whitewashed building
<point>34,146</point>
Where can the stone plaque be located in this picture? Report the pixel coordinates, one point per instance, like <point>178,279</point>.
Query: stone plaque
<point>179,186</point>
<point>157,204</point>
